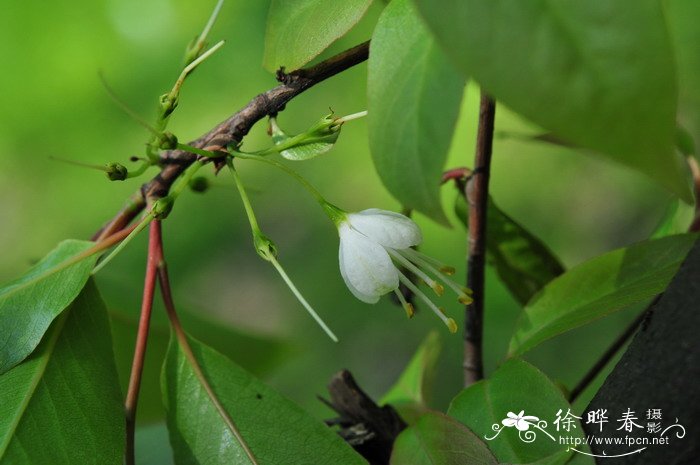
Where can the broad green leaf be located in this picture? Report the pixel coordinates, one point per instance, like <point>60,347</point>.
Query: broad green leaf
<point>63,405</point>
<point>682,19</point>
<point>676,219</point>
<point>275,429</point>
<point>437,439</point>
<point>412,391</point>
<point>598,287</point>
<point>29,304</point>
<point>514,387</point>
<point>523,262</point>
<point>598,73</point>
<point>298,30</point>
<point>319,139</point>
<point>262,353</point>
<point>414,96</point>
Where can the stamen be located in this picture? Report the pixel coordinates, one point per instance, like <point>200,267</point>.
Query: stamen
<point>437,287</point>
<point>301,299</point>
<point>416,254</point>
<point>410,311</point>
<point>451,325</point>
<point>462,292</point>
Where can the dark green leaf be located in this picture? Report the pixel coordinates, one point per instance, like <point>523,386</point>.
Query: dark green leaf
<point>682,19</point>
<point>523,262</point>
<point>29,304</point>
<point>437,439</point>
<point>414,96</point>
<point>262,353</point>
<point>63,405</point>
<point>298,30</point>
<point>411,394</point>
<point>276,430</point>
<point>514,387</point>
<point>598,73</point>
<point>600,286</point>
<point>676,219</point>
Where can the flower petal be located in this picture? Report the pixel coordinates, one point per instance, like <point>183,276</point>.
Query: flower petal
<point>389,229</point>
<point>365,266</point>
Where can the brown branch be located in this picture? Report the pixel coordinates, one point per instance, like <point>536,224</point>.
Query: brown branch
<point>477,193</point>
<point>234,129</point>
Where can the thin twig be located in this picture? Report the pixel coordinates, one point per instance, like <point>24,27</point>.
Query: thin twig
<point>132,394</point>
<point>166,293</point>
<point>234,129</point>
<point>477,192</point>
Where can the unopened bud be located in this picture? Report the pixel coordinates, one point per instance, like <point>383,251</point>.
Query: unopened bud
<point>167,105</point>
<point>162,207</point>
<point>116,172</point>
<point>199,184</point>
<point>168,141</point>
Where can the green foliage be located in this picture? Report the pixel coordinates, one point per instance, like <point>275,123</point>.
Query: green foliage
<point>437,439</point>
<point>681,15</point>
<point>275,429</point>
<point>598,73</point>
<point>523,262</point>
<point>515,386</point>
<point>411,393</point>
<point>298,30</point>
<point>414,96</point>
<point>319,139</point>
<point>599,287</point>
<point>63,405</point>
<point>30,303</point>
<point>262,353</point>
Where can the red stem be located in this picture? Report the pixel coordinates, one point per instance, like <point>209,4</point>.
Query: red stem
<point>477,193</point>
<point>132,395</point>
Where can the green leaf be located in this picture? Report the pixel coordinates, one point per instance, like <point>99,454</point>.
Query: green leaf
<point>523,262</point>
<point>598,73</point>
<point>413,98</point>
<point>262,353</point>
<point>29,304</point>
<point>275,429</point>
<point>412,391</point>
<point>676,219</point>
<point>599,287</point>
<point>63,405</point>
<point>298,30</point>
<point>317,140</point>
<point>682,15</point>
<point>437,439</point>
<point>514,387</point>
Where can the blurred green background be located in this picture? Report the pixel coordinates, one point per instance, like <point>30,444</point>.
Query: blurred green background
<point>52,104</point>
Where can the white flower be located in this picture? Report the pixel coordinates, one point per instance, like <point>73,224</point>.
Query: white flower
<point>521,421</point>
<point>371,241</point>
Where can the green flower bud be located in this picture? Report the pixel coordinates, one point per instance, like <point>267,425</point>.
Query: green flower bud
<point>264,246</point>
<point>167,105</point>
<point>162,207</point>
<point>199,184</point>
<point>116,172</point>
<point>167,141</point>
